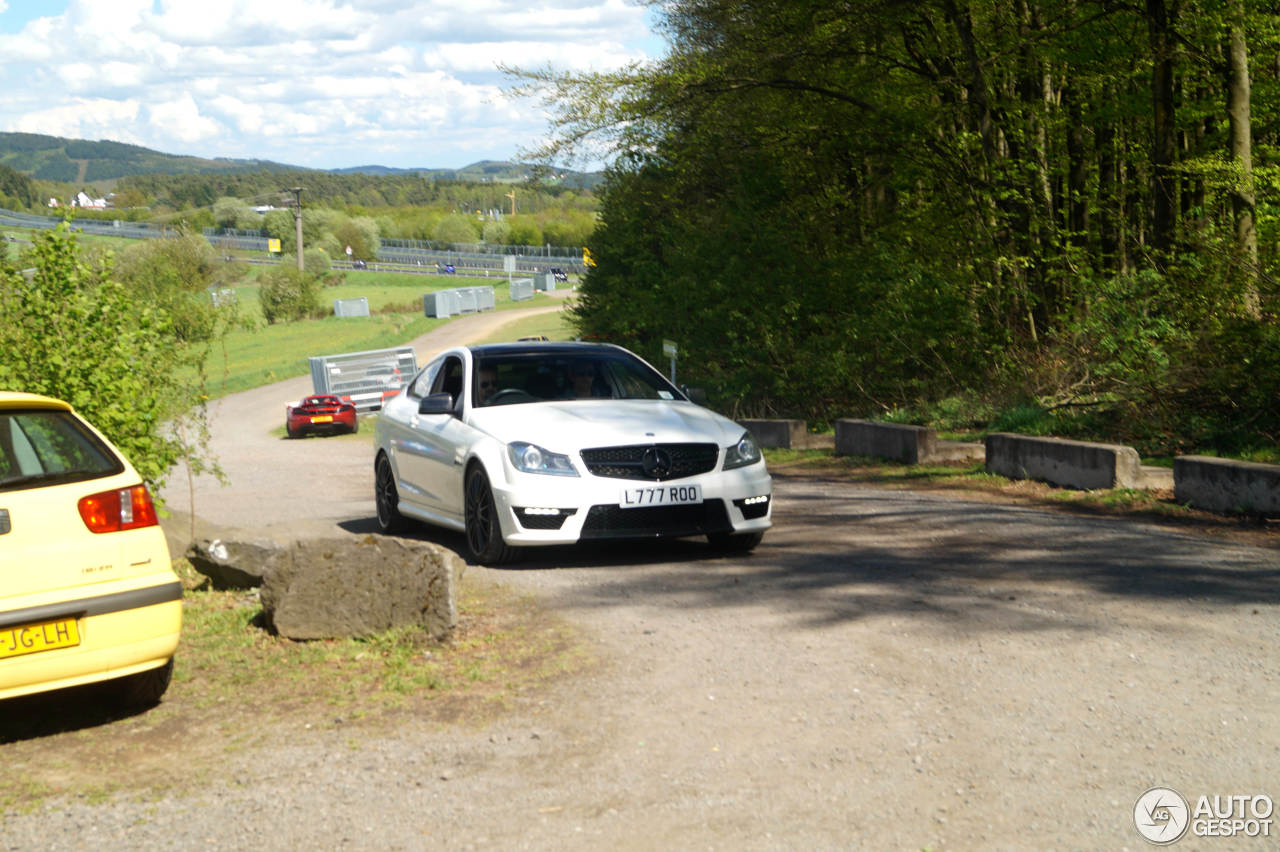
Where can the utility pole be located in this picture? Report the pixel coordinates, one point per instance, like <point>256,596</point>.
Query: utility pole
<point>297,217</point>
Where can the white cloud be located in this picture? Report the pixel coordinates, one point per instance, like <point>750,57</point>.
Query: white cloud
<point>324,83</point>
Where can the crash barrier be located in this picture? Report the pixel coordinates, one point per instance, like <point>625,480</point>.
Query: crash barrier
<point>1223,485</point>
<point>1070,464</point>
<point>521,289</point>
<point>365,379</point>
<point>460,300</point>
<point>544,281</point>
<point>902,443</point>
<point>351,307</point>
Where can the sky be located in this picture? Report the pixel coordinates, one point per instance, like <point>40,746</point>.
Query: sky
<point>318,83</point>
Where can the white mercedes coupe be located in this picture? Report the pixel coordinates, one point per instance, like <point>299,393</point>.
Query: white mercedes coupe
<point>525,444</point>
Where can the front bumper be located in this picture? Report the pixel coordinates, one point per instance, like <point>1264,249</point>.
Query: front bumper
<point>542,510</point>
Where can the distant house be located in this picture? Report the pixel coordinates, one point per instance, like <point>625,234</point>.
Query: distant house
<point>84,202</point>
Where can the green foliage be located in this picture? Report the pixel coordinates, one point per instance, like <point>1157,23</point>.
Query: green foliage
<point>839,210</point>
<point>456,228</point>
<point>287,294</point>
<point>17,189</point>
<point>228,211</point>
<point>178,275</point>
<point>74,332</point>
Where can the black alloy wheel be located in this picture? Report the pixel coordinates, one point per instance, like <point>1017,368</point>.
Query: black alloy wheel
<point>484,532</point>
<point>386,499</point>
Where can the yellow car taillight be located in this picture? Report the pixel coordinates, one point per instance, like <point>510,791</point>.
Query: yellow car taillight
<point>121,509</point>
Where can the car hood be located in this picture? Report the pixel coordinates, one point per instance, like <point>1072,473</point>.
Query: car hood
<point>570,425</point>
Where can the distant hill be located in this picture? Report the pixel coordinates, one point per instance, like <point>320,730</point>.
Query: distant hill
<point>488,171</point>
<point>81,161</point>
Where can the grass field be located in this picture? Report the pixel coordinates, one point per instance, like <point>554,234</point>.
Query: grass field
<point>262,354</point>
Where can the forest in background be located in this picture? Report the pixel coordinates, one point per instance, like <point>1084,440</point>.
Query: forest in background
<point>1052,215</point>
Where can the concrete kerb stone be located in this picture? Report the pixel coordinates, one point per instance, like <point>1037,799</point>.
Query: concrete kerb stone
<point>1225,486</point>
<point>901,443</point>
<point>777,434</point>
<point>1069,464</point>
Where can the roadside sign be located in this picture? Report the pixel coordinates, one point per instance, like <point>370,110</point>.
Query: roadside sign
<point>669,348</point>
<point>273,245</point>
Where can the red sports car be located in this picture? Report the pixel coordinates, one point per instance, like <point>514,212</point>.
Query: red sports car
<point>320,413</point>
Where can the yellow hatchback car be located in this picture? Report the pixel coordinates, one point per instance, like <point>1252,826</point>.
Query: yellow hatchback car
<point>87,590</point>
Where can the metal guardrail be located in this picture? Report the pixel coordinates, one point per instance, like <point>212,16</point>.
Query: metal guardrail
<point>365,379</point>
<point>432,257</point>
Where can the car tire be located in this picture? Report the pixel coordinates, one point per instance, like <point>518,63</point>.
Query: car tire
<point>735,542</point>
<point>291,432</point>
<point>144,688</point>
<point>483,531</point>
<point>355,425</point>
<point>386,499</point>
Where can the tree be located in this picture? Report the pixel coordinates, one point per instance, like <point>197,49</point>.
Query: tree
<point>227,211</point>
<point>924,199</point>
<point>456,228</point>
<point>178,274</point>
<point>73,331</point>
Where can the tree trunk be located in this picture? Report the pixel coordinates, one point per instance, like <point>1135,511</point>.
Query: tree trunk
<point>1242,199</point>
<point>1164,131</point>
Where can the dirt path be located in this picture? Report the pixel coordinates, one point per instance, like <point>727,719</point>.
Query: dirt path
<point>889,670</point>
<point>319,490</point>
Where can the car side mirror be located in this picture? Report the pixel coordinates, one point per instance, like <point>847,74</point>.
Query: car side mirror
<point>436,403</point>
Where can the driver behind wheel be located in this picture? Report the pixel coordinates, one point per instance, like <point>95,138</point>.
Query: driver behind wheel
<point>486,384</point>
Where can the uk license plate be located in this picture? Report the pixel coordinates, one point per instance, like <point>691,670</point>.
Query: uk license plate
<point>34,638</point>
<point>322,418</point>
<point>660,495</point>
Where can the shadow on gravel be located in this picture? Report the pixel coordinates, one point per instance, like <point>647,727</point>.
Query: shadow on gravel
<point>839,554</point>
<point>843,555</point>
<point>587,555</point>
<point>76,708</point>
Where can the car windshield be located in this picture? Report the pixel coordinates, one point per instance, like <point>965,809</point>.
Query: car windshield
<point>537,377</point>
<point>43,447</point>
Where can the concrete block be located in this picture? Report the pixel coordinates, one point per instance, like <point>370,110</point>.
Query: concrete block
<point>777,434</point>
<point>1222,485</point>
<point>906,444</point>
<point>1069,464</point>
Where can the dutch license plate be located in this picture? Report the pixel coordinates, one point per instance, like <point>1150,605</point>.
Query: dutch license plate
<point>322,418</point>
<point>660,495</point>
<point>33,638</point>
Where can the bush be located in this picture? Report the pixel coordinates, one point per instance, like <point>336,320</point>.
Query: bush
<point>74,332</point>
<point>287,294</point>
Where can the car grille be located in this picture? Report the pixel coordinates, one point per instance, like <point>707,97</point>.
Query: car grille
<point>610,521</point>
<point>628,462</point>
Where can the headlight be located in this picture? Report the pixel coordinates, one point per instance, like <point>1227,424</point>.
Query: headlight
<point>743,453</point>
<point>531,458</point>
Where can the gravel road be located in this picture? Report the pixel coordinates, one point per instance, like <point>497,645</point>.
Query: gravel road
<point>889,670</point>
